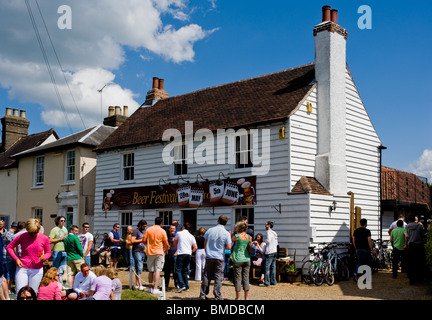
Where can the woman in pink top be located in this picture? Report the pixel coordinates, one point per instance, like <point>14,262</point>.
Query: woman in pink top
<point>35,249</point>
<point>49,286</point>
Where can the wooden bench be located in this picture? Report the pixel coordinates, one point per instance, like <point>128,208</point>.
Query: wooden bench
<point>283,262</point>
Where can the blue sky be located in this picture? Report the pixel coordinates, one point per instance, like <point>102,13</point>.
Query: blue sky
<point>201,43</point>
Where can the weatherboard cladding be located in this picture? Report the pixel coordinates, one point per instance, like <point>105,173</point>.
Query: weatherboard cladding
<point>264,99</point>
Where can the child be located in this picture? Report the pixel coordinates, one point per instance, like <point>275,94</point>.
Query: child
<point>117,285</point>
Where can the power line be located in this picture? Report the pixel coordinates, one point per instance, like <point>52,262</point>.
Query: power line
<point>59,63</point>
<point>47,64</point>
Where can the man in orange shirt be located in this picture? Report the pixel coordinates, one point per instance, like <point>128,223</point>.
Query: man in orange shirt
<point>156,240</point>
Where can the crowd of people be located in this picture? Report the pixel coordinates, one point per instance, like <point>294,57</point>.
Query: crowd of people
<point>25,273</point>
<point>171,253</point>
<point>23,263</point>
<point>408,239</point>
<point>216,252</point>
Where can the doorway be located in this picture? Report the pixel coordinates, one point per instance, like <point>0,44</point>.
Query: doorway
<point>191,217</point>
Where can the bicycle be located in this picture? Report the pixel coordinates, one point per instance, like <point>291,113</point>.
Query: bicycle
<point>381,255</point>
<point>316,270</point>
<point>338,261</point>
<point>328,272</point>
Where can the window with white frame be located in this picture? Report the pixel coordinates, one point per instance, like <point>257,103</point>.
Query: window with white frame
<point>248,213</point>
<point>39,171</point>
<point>128,167</point>
<point>70,166</point>
<point>180,167</point>
<point>243,151</point>
<point>38,214</point>
<point>125,221</point>
<point>166,215</point>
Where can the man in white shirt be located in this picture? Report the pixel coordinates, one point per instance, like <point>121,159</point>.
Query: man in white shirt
<point>270,255</point>
<point>86,239</point>
<point>401,216</point>
<point>82,283</point>
<point>186,245</point>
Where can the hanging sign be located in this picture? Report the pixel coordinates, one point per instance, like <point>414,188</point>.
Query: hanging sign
<point>190,195</point>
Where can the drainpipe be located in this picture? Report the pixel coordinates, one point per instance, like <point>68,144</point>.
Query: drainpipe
<point>380,148</point>
<point>352,226</point>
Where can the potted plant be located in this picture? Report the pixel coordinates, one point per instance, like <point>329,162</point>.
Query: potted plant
<point>291,272</point>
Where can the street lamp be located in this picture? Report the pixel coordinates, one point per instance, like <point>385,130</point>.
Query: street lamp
<point>58,198</point>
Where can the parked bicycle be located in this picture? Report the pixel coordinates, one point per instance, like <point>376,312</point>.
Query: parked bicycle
<point>317,269</point>
<point>381,255</point>
<point>339,261</point>
<point>326,263</point>
<point>310,268</point>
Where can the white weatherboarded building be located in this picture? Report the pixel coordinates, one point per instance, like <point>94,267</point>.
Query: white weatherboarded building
<point>323,156</point>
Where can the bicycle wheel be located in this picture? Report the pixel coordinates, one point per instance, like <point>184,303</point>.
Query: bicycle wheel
<point>329,276</point>
<point>316,272</point>
<point>342,270</point>
<point>389,259</point>
<point>305,272</point>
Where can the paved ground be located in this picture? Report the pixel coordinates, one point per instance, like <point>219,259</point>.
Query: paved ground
<point>384,287</point>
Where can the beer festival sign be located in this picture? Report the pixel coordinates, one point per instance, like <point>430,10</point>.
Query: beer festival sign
<point>225,192</point>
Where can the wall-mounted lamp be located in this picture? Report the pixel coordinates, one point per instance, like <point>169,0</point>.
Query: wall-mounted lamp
<point>178,181</point>
<point>308,107</point>
<point>58,198</point>
<point>281,132</point>
<point>219,181</point>
<point>332,207</point>
<point>197,182</point>
<point>278,208</point>
<point>160,186</point>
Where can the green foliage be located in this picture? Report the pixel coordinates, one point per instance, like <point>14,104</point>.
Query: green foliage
<point>291,268</point>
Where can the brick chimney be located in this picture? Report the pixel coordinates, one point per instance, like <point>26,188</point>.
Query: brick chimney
<point>330,68</point>
<point>14,127</point>
<point>156,93</point>
<point>115,117</point>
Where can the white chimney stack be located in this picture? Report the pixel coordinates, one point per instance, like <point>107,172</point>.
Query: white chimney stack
<point>330,67</point>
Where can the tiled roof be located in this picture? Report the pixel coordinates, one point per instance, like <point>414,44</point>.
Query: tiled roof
<point>89,137</point>
<point>309,185</point>
<point>23,144</point>
<point>404,187</point>
<point>263,99</point>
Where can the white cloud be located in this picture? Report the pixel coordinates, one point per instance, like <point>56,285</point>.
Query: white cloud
<point>423,165</point>
<point>91,52</point>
